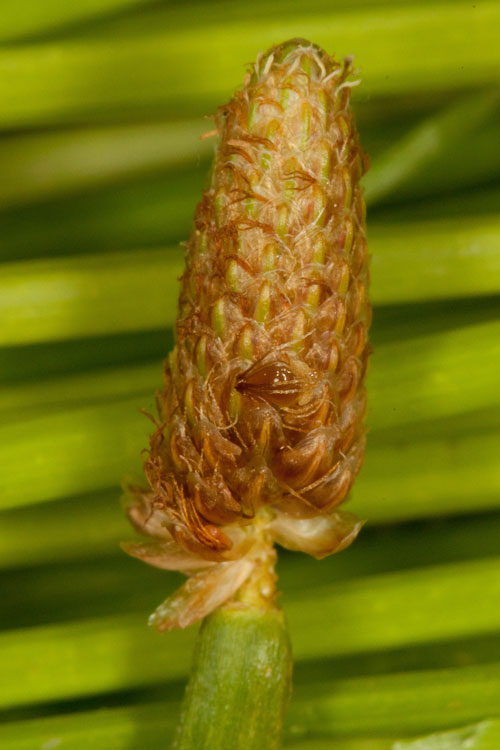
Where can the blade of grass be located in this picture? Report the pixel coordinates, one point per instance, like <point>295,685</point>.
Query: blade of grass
<point>31,17</point>
<point>144,213</point>
<point>396,704</point>
<point>434,259</point>
<point>448,654</point>
<point>55,394</point>
<point>73,452</point>
<point>47,165</point>
<point>434,468</point>
<point>61,587</point>
<point>377,612</point>
<point>359,616</point>
<point>199,13</point>
<point>425,160</point>
<point>43,165</point>
<point>141,727</point>
<point>194,71</point>
<point>40,362</point>
<point>79,590</point>
<point>89,657</point>
<point>358,743</point>
<point>90,295</point>
<point>482,201</point>
<point>402,323</point>
<point>19,364</point>
<point>439,375</point>
<point>67,529</point>
<point>447,465</point>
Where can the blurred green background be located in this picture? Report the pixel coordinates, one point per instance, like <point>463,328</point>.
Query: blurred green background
<point>101,106</point>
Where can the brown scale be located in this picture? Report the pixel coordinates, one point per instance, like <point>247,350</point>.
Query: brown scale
<point>273,381</point>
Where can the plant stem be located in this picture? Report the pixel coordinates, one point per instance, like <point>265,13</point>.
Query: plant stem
<point>240,683</point>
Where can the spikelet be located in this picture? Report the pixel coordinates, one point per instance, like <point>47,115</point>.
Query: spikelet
<point>260,431</point>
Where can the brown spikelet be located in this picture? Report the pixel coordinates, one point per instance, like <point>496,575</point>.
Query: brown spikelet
<point>264,398</point>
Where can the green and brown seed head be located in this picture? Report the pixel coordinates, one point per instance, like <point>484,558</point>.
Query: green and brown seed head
<point>264,397</point>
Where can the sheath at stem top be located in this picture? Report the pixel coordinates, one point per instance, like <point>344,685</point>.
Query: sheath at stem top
<point>260,430</point>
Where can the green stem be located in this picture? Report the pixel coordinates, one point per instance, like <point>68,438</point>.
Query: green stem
<point>241,678</point>
<point>240,683</point>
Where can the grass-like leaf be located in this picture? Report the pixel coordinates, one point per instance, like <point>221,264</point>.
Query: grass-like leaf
<point>424,161</point>
<point>30,17</point>
<point>439,375</point>
<point>85,79</point>
<point>87,439</point>
<point>46,165</point>
<point>392,705</point>
<point>106,654</point>
<point>92,295</point>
